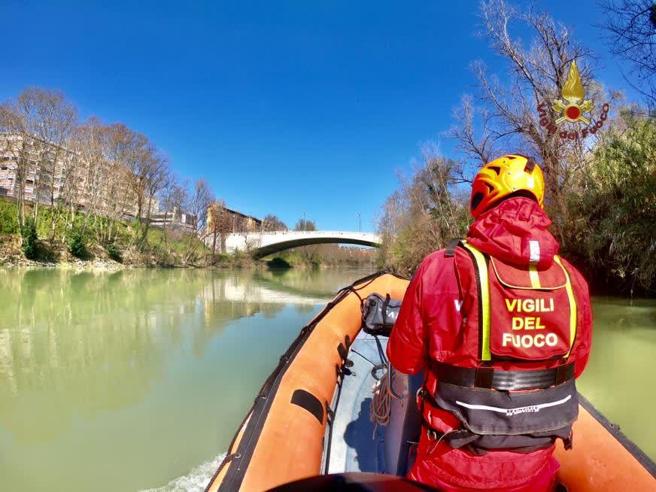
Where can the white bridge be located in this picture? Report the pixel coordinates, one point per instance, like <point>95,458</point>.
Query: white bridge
<point>261,244</point>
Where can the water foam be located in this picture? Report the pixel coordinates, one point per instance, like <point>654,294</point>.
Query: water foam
<point>194,481</point>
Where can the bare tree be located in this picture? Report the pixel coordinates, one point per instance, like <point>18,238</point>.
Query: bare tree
<point>475,145</point>
<point>424,214</point>
<point>272,223</point>
<point>134,152</point>
<point>199,201</point>
<point>12,124</point>
<point>219,224</point>
<point>531,74</point>
<point>156,173</point>
<point>139,160</point>
<point>309,254</point>
<point>120,152</point>
<point>47,119</point>
<point>632,28</point>
<point>305,225</point>
<point>173,198</point>
<point>85,185</point>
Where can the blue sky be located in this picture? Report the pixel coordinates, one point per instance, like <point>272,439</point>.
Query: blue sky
<point>286,107</point>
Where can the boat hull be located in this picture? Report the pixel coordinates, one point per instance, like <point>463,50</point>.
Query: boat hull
<point>299,416</point>
<point>281,441</point>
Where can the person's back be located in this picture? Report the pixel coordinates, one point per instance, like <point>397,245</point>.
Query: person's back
<point>502,326</point>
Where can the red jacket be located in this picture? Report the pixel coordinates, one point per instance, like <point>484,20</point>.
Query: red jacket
<point>430,325</point>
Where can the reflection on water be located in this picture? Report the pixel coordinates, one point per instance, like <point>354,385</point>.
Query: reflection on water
<point>123,381</point>
<point>619,379</point>
<point>130,380</point>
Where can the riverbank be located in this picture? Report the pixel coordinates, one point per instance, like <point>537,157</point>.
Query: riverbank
<point>50,236</point>
<point>99,259</point>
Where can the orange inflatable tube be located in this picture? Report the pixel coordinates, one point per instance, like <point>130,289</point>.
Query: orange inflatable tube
<point>281,438</point>
<point>284,442</point>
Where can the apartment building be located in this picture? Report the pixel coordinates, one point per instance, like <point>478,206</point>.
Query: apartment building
<point>242,222</point>
<point>175,220</point>
<point>48,174</point>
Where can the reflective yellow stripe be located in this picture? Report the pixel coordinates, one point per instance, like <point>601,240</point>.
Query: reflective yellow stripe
<point>572,306</point>
<point>535,278</point>
<point>484,284</point>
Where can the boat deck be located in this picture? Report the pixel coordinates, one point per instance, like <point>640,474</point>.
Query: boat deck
<point>355,443</point>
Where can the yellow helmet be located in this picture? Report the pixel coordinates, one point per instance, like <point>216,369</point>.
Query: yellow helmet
<point>505,176</point>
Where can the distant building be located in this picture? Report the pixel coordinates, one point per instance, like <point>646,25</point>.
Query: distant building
<point>228,221</point>
<point>55,175</point>
<point>43,172</point>
<point>175,220</point>
<point>48,174</point>
<point>242,222</point>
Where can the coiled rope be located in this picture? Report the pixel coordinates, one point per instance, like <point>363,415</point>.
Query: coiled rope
<point>383,390</point>
<point>381,403</point>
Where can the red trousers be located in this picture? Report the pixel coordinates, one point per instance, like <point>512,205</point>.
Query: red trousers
<point>455,470</point>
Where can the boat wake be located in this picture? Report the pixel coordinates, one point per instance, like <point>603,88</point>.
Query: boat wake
<point>194,481</point>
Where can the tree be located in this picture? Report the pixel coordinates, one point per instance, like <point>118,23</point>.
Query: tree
<point>12,125</point>
<point>119,154</point>
<point>87,186</point>
<point>45,121</point>
<point>631,25</point>
<point>309,254</point>
<point>174,198</point>
<point>140,158</point>
<point>508,117</point>
<point>200,200</point>
<point>133,152</point>
<point>219,224</point>
<point>272,223</point>
<point>143,168</point>
<point>156,174</point>
<point>305,225</point>
<point>613,217</point>
<point>423,215</point>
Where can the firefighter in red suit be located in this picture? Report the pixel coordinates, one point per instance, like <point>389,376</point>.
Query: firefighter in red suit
<point>501,327</point>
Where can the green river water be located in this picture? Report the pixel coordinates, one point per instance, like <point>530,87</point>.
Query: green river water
<point>138,379</point>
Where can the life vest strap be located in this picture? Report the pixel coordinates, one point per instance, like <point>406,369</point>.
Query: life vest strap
<point>491,378</point>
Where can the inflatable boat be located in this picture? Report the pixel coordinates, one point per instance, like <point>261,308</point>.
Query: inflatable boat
<point>310,425</point>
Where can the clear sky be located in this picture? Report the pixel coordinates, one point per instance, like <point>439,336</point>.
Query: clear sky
<point>286,107</point>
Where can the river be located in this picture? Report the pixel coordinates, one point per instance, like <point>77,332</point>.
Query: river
<point>138,379</point>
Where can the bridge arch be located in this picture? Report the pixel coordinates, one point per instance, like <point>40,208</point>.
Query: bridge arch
<point>263,244</point>
<point>295,243</point>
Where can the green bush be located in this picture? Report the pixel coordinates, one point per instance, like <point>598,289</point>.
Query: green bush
<point>77,244</point>
<point>114,252</point>
<point>612,214</point>
<point>8,218</point>
<point>28,233</point>
<point>278,263</point>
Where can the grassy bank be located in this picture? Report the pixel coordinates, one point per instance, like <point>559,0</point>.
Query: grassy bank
<point>325,255</point>
<point>49,237</point>
<point>53,236</point>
